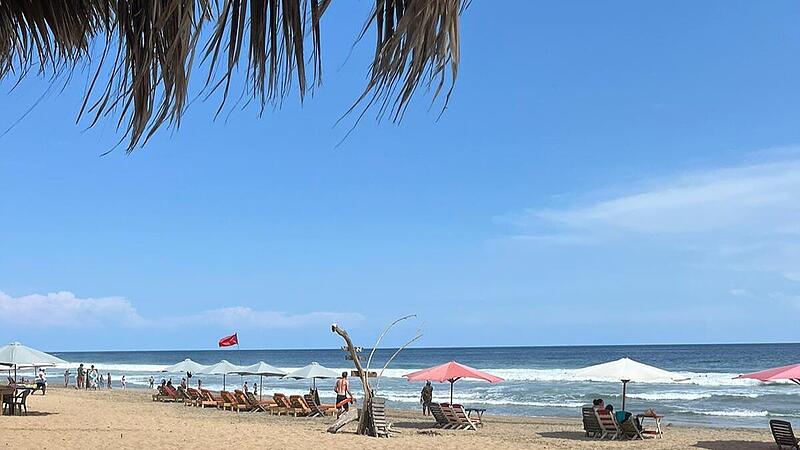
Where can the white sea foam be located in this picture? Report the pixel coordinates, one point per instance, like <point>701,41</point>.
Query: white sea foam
<point>733,413</point>
<point>657,396</point>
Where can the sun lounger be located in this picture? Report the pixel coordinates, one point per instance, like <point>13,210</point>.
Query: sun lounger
<point>182,394</point>
<point>783,434</point>
<point>438,415</point>
<point>464,422</point>
<point>282,405</point>
<point>631,429</point>
<point>242,401</point>
<point>318,410</point>
<point>195,397</point>
<point>450,415</point>
<point>299,404</point>
<point>608,423</point>
<point>379,423</point>
<point>256,404</point>
<point>165,394</point>
<point>590,424</point>
<point>234,402</point>
<point>209,399</point>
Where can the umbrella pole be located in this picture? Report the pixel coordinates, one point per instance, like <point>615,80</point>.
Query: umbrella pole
<point>260,387</point>
<point>451,391</point>
<point>223,381</point>
<point>624,391</point>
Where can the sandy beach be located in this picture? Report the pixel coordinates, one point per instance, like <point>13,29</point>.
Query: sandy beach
<point>67,418</point>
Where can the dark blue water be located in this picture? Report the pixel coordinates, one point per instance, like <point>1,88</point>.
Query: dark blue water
<point>539,380</point>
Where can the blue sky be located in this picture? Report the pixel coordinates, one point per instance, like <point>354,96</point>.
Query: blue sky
<point>616,173</point>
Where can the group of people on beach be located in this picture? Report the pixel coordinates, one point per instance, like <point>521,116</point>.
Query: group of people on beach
<point>91,379</point>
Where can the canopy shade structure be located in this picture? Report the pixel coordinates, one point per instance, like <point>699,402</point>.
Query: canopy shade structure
<point>262,369</point>
<point>17,355</point>
<point>222,368</point>
<point>790,372</point>
<point>312,371</point>
<point>627,370</point>
<point>451,372</point>
<point>187,365</point>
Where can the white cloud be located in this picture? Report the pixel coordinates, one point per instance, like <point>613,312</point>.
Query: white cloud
<point>244,317</point>
<point>744,218</point>
<point>64,309</point>
<point>761,198</point>
<point>737,292</point>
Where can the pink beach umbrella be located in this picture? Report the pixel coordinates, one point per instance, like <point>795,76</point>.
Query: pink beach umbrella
<point>791,372</point>
<point>451,372</point>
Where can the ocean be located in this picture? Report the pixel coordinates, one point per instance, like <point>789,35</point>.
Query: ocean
<point>539,380</point>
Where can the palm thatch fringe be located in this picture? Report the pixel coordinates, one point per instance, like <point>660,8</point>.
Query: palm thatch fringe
<point>149,49</point>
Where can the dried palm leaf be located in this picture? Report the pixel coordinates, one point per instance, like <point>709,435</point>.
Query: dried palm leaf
<point>143,70</point>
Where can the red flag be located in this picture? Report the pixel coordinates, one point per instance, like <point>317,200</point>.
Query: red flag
<point>228,341</point>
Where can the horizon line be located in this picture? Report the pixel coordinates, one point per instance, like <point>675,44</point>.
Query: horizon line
<point>436,347</point>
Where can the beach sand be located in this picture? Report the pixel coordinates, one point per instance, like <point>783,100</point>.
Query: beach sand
<point>68,418</point>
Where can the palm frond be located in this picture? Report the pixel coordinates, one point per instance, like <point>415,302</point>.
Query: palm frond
<point>143,71</point>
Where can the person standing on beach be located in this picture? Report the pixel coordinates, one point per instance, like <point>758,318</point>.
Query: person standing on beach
<point>255,388</point>
<point>152,382</point>
<point>81,373</point>
<point>245,388</point>
<point>426,397</point>
<point>122,381</point>
<point>342,389</point>
<point>108,378</point>
<point>66,378</point>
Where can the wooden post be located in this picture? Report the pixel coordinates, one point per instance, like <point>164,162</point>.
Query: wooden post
<point>365,421</point>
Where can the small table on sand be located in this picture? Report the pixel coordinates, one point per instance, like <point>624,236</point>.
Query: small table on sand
<point>655,418</point>
<point>478,419</point>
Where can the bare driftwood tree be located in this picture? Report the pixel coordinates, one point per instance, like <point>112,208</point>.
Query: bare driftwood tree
<point>366,421</point>
<point>147,51</point>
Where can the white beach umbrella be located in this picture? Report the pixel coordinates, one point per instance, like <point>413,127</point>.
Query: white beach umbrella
<point>17,355</point>
<point>312,372</point>
<point>222,368</point>
<point>187,365</point>
<point>262,369</point>
<point>627,370</point>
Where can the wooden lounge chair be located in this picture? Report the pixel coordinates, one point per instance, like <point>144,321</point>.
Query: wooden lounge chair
<point>438,415</point>
<point>379,423</point>
<point>318,410</point>
<point>630,429</point>
<point>236,402</point>
<point>299,405</point>
<point>450,415</point>
<point>212,400</point>
<point>256,404</point>
<point>172,394</point>
<point>194,397</point>
<point>783,434</point>
<point>282,405</point>
<point>465,423</point>
<point>590,423</point>
<point>228,400</point>
<point>608,423</point>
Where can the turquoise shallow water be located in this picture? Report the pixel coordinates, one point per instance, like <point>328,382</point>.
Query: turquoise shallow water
<point>539,380</point>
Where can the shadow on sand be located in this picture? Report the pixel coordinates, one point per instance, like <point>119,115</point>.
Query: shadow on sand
<point>414,425</point>
<point>572,435</point>
<point>32,414</point>
<point>734,445</point>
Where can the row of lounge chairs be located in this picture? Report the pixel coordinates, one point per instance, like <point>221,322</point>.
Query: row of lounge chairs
<point>295,405</point>
<point>603,424</point>
<point>452,417</point>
